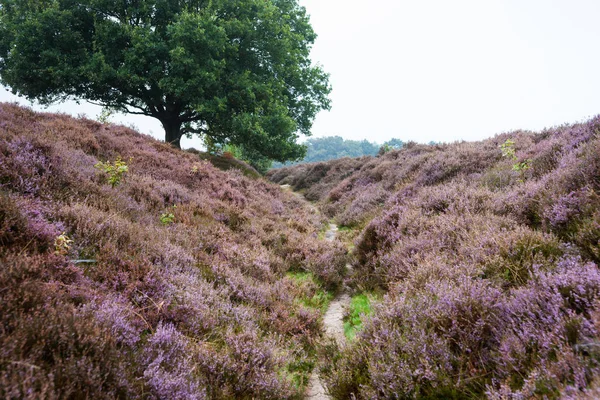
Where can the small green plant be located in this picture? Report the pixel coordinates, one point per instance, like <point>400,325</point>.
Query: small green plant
<point>62,244</point>
<point>195,168</point>
<point>384,149</point>
<point>115,172</point>
<point>522,166</point>
<point>167,218</point>
<point>508,151</point>
<point>105,114</point>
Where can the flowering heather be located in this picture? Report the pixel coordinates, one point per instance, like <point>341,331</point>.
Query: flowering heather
<point>201,307</point>
<point>316,178</point>
<point>490,274</point>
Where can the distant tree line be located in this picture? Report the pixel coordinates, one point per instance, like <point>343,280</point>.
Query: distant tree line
<point>333,147</point>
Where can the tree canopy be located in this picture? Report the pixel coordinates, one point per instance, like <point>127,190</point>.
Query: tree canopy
<point>235,71</point>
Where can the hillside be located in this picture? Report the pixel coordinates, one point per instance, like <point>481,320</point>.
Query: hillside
<point>226,163</point>
<point>482,268</point>
<point>134,270</point>
<point>162,277</point>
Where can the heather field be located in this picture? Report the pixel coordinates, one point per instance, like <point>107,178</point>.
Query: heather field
<point>277,263</point>
<point>130,269</point>
<point>480,263</point>
<point>133,270</point>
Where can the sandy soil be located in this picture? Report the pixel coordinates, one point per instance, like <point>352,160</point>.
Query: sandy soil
<point>334,328</point>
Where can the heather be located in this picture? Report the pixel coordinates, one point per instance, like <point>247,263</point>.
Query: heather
<point>315,180</point>
<point>487,254</point>
<point>226,163</point>
<point>172,280</point>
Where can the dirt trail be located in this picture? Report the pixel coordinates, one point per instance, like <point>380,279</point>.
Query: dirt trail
<point>334,328</point>
<point>333,320</point>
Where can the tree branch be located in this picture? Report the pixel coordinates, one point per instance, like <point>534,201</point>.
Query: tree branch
<point>123,107</point>
<point>189,130</point>
<point>195,118</point>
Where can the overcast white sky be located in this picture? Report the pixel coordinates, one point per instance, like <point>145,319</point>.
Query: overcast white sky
<point>447,70</point>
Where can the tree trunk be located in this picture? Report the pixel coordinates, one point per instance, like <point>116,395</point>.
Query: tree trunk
<point>172,131</point>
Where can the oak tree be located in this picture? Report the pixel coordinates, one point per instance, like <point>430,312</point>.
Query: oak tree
<point>235,71</point>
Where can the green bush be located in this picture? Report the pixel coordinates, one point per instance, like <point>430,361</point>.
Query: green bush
<point>114,172</point>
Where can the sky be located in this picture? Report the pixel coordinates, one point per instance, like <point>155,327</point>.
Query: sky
<point>444,70</point>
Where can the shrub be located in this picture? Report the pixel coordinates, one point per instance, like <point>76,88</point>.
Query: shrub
<point>51,348</point>
<point>462,339</point>
<point>115,172</point>
<point>62,244</point>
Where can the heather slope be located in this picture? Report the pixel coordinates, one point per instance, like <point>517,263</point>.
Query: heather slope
<point>488,265</point>
<point>180,282</point>
<point>316,180</point>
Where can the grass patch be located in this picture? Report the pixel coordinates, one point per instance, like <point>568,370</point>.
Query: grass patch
<point>298,372</point>
<point>300,277</point>
<point>360,305</point>
<point>314,295</point>
<point>319,300</point>
<point>323,230</point>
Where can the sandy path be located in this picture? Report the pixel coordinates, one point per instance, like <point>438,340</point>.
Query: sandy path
<point>334,328</point>
<point>333,320</point>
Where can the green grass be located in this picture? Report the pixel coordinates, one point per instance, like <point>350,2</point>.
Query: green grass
<point>301,276</point>
<point>360,305</point>
<point>298,372</point>
<point>320,299</point>
<point>323,230</point>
